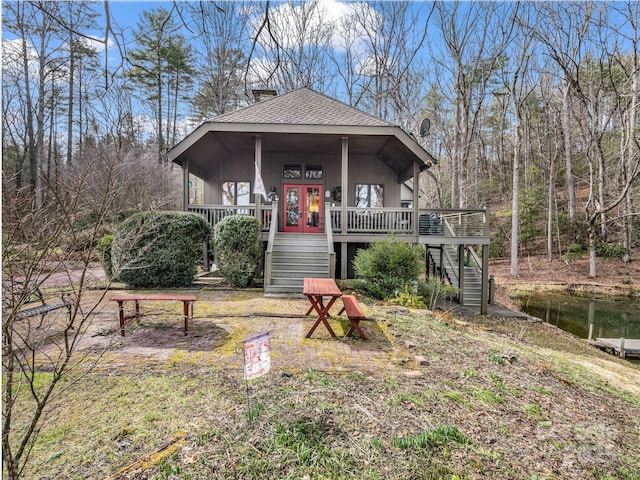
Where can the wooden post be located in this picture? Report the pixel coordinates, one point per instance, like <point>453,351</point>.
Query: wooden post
<point>622,352</point>
<point>461,249</point>
<point>185,184</point>
<point>484,294</point>
<point>416,197</point>
<point>344,202</point>
<point>258,159</point>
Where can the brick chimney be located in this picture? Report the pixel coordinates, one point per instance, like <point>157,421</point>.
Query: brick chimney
<point>259,95</point>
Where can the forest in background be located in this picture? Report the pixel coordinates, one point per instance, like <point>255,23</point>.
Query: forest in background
<point>533,106</point>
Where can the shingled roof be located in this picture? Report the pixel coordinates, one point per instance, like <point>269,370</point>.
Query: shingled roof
<point>303,119</point>
<point>301,107</point>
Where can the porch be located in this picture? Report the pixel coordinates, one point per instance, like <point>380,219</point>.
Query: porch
<point>456,243</point>
<point>450,226</point>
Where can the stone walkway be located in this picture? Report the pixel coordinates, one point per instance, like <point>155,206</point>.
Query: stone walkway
<point>223,319</point>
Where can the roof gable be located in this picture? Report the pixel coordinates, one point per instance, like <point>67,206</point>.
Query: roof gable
<point>301,107</point>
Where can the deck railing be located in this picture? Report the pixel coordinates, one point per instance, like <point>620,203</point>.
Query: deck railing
<point>460,223</point>
<point>214,213</point>
<point>373,220</point>
<point>376,221</point>
<point>445,222</point>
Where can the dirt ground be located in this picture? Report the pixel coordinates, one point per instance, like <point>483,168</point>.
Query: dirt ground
<point>613,276</point>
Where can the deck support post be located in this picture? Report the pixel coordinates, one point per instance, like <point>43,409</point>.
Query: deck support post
<point>344,203</point>
<point>416,197</point>
<point>344,185</point>
<point>484,295</point>
<point>461,249</point>
<point>344,257</point>
<point>185,184</point>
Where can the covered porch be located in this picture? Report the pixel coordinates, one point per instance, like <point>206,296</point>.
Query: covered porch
<point>456,240</point>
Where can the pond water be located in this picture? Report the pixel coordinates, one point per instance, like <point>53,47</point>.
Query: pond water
<point>582,316</point>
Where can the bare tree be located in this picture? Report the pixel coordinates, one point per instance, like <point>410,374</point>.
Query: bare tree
<point>222,31</point>
<point>628,97</point>
<point>562,29</point>
<point>518,86</point>
<point>580,43</point>
<point>475,44</point>
<point>41,352</point>
<point>292,41</point>
<point>389,78</point>
<point>34,34</point>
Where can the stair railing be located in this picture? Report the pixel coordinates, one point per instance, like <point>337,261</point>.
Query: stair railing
<point>273,228</point>
<point>448,261</point>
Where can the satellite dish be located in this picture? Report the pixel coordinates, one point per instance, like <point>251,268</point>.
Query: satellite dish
<point>424,127</point>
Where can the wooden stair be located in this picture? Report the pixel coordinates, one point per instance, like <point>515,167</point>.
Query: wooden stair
<point>472,289</point>
<point>294,257</point>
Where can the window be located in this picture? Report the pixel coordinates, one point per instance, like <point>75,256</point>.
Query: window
<point>236,193</point>
<point>313,172</point>
<point>295,171</point>
<point>292,171</point>
<point>369,196</point>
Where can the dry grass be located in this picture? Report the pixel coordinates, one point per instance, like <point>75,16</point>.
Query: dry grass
<point>495,400</point>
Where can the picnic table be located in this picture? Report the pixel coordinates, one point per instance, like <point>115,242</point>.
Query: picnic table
<point>316,289</point>
<point>187,302</point>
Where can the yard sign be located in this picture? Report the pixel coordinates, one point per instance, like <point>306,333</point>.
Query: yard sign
<point>257,356</point>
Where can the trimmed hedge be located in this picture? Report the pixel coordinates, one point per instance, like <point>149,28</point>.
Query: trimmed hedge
<point>158,249</point>
<point>238,248</point>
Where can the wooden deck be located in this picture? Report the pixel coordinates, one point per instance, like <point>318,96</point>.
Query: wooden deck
<point>363,225</point>
<point>625,347</point>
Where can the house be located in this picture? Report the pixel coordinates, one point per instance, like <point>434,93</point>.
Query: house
<point>336,179</point>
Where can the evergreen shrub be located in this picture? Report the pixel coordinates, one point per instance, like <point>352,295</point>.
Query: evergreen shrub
<point>609,250</point>
<point>575,251</point>
<point>238,248</point>
<point>158,249</point>
<point>385,268</point>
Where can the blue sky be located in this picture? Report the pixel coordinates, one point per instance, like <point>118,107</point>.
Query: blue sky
<point>127,13</point>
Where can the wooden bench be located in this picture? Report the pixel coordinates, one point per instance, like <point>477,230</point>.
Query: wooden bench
<point>32,304</point>
<point>187,302</point>
<point>354,313</point>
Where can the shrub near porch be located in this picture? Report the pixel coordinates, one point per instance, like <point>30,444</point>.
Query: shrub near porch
<point>158,249</point>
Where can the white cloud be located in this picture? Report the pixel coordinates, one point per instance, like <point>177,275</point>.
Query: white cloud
<point>342,24</point>
<point>97,43</point>
<point>12,57</point>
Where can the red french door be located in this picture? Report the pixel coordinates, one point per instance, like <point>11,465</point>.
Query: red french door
<point>303,209</point>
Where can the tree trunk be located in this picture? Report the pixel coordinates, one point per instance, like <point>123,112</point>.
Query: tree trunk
<point>550,203</point>
<point>159,121</point>
<point>515,218</point>
<point>602,185</point>
<point>70,102</point>
<point>40,116</point>
<point>568,158</point>
<point>30,147</point>
<point>592,247</point>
